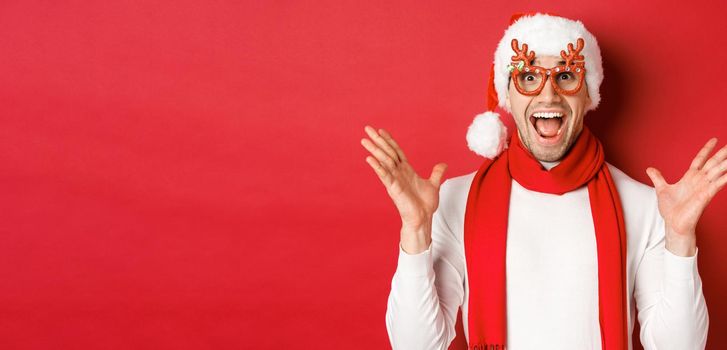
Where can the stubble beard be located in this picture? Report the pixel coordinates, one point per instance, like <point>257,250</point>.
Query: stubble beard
<point>548,154</point>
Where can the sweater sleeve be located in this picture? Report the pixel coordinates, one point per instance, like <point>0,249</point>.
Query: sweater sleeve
<point>668,292</point>
<point>426,290</point>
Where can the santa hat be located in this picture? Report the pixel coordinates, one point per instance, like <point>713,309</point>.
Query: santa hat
<point>545,34</point>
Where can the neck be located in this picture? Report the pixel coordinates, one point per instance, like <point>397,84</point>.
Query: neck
<point>549,165</point>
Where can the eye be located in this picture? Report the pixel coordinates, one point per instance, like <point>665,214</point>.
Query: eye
<point>566,76</point>
<point>529,77</point>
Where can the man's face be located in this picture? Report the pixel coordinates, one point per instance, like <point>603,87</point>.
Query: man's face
<point>548,139</point>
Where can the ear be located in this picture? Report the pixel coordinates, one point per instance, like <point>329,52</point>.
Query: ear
<point>589,101</point>
<point>507,97</point>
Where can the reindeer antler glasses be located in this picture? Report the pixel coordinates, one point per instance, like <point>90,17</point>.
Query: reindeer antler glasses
<point>566,79</point>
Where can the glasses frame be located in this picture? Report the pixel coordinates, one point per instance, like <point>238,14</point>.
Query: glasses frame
<point>574,62</point>
<point>544,73</point>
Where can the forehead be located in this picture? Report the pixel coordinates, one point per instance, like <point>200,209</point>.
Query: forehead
<point>547,60</point>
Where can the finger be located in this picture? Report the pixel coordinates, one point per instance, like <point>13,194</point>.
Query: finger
<point>716,186</point>
<point>656,178</point>
<point>720,183</point>
<point>381,143</point>
<point>698,161</point>
<point>437,172</point>
<point>384,175</point>
<point>716,171</point>
<point>380,155</point>
<point>393,143</point>
<point>716,158</point>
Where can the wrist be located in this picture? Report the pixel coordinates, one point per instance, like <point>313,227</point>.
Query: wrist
<point>416,239</point>
<point>685,246</point>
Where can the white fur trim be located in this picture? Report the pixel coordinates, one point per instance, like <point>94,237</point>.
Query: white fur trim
<point>487,135</point>
<point>548,35</point>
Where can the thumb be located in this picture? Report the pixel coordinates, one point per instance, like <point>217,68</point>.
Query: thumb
<point>656,178</point>
<point>437,174</point>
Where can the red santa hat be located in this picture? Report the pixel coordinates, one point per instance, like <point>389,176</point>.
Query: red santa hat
<point>545,34</point>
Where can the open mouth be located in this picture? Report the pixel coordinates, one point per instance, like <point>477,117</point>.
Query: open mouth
<point>548,125</point>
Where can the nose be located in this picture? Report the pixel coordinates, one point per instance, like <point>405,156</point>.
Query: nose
<point>548,94</point>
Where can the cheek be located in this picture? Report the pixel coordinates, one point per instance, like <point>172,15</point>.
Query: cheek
<point>518,104</point>
<point>577,106</point>
<point>521,106</point>
<point>577,103</point>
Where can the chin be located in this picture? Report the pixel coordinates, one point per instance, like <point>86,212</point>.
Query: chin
<point>548,157</point>
<point>548,153</point>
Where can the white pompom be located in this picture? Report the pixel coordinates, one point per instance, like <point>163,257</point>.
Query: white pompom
<point>487,135</point>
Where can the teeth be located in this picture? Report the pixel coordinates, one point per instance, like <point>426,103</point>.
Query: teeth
<point>548,115</point>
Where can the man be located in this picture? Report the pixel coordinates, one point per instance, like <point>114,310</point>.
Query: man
<point>546,246</point>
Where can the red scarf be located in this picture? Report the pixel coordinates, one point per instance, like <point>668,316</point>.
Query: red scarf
<point>485,235</point>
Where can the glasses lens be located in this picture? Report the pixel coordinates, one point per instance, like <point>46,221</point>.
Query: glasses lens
<point>567,81</point>
<point>529,81</point>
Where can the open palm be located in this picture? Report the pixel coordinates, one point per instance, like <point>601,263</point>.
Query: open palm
<point>415,198</point>
<point>681,204</point>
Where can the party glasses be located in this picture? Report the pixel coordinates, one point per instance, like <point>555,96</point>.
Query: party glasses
<point>566,79</point>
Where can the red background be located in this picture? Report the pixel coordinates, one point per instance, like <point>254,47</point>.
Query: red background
<point>188,175</point>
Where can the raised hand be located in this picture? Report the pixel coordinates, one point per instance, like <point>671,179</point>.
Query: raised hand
<point>682,203</point>
<point>415,198</point>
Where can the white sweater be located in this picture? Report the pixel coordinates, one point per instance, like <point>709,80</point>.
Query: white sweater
<point>551,276</point>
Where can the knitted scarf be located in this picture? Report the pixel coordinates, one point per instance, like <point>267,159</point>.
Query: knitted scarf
<point>485,235</point>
